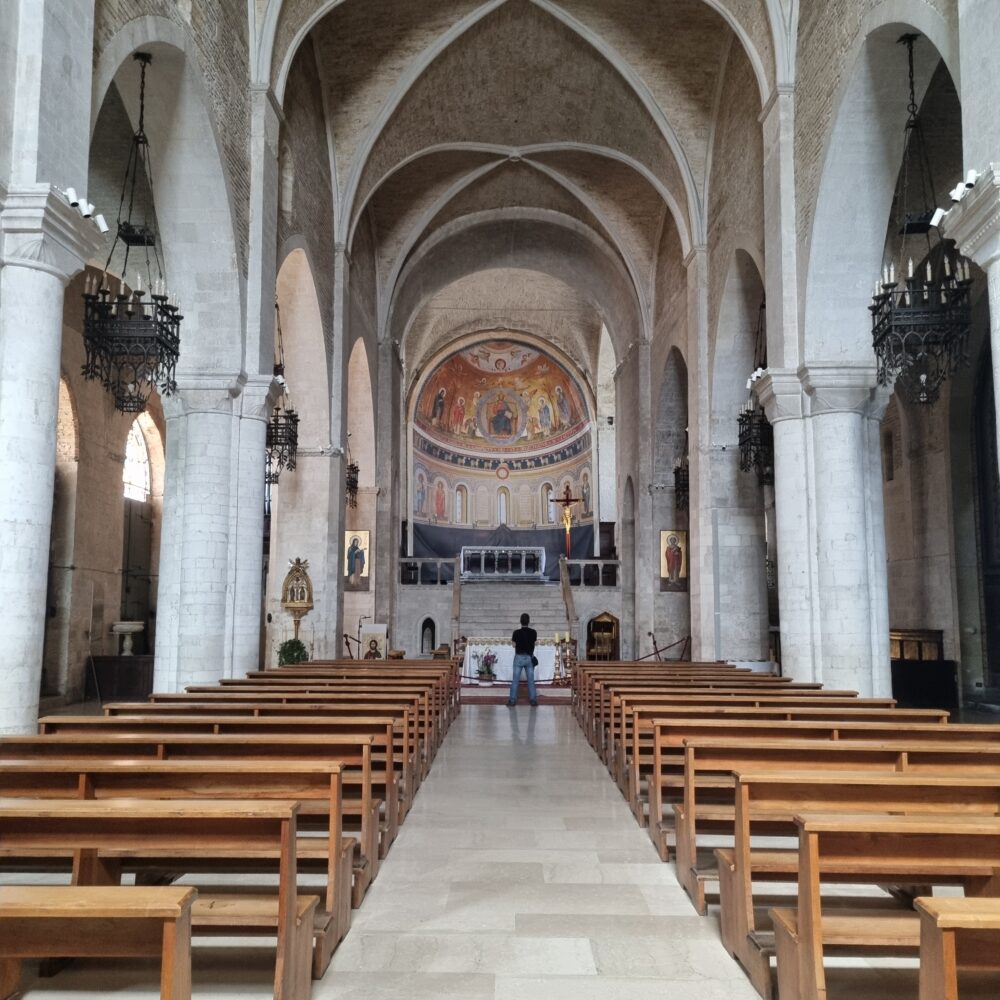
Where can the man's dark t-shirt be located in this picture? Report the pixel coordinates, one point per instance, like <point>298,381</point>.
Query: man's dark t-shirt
<point>524,641</point>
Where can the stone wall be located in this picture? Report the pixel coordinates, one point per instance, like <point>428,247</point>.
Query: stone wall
<point>828,34</point>
<point>220,35</point>
<point>305,197</point>
<point>85,573</point>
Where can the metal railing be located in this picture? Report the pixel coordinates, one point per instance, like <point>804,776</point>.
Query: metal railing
<point>593,572</point>
<point>502,562</point>
<point>414,571</point>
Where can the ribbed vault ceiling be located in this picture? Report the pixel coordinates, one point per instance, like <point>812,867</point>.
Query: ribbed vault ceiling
<point>502,152</point>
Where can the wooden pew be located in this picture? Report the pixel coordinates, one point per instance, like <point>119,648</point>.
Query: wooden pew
<point>98,838</point>
<point>874,850</point>
<point>406,738</point>
<point>315,785</point>
<point>353,753</point>
<point>59,921</point>
<point>361,788</point>
<point>430,720</point>
<point>640,729</point>
<point>956,933</point>
<point>602,712</point>
<point>767,802</point>
<point>670,735</point>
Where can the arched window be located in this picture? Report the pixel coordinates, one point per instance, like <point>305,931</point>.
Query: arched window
<point>461,503</point>
<point>135,472</point>
<point>503,505</point>
<point>548,504</point>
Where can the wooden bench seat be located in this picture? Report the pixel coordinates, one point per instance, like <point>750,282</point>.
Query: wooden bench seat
<point>101,837</point>
<point>665,771</point>
<point>316,785</point>
<point>874,850</point>
<point>956,933</point>
<point>379,782</point>
<point>408,738</point>
<point>641,733</point>
<point>360,806</point>
<point>767,802</point>
<point>98,922</point>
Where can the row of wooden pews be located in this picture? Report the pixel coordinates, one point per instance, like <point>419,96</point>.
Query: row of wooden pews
<point>300,775</point>
<point>749,781</point>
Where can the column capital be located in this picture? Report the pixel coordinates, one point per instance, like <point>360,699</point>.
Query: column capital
<point>259,397</point>
<point>838,388</point>
<point>779,391</point>
<point>974,223</point>
<point>782,97</point>
<point>210,393</point>
<point>39,229</point>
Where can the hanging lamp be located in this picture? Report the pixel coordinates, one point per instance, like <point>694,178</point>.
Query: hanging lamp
<point>351,474</point>
<point>921,312</point>
<point>132,342</point>
<point>756,439</point>
<point>283,427</point>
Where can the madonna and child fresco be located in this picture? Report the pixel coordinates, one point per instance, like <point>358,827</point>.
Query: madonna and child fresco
<point>492,410</point>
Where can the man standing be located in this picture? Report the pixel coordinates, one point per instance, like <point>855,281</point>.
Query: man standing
<point>524,659</point>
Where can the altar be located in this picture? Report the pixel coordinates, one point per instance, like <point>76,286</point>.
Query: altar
<point>545,652</point>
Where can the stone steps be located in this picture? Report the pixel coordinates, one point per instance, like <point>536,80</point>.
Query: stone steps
<point>494,609</point>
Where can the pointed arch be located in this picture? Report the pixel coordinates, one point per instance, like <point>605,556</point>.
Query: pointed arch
<point>844,248</point>
<point>197,221</point>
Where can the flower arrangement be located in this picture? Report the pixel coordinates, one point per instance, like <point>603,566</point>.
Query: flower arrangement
<point>486,665</point>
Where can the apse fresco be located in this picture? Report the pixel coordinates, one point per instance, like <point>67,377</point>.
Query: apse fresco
<point>509,396</point>
<point>498,427</point>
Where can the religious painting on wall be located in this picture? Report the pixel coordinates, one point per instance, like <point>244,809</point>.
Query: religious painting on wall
<point>673,561</point>
<point>356,561</point>
<point>499,428</point>
<point>374,642</point>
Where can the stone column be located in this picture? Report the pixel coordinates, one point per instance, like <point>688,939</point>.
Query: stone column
<point>974,224</point>
<point>167,639</point>
<point>387,455</point>
<point>44,243</point>
<point>647,561</point>
<point>247,560</point>
<point>852,583</point>
<point>700,551</point>
<point>780,393</point>
<point>780,232</point>
<point>195,647</point>
<point>339,360</point>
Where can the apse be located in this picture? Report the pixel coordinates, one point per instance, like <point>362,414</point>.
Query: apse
<point>501,429</point>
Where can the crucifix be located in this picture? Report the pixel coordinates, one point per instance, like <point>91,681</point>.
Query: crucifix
<point>567,502</point>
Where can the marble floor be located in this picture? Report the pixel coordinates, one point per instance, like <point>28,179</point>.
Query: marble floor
<point>520,874</point>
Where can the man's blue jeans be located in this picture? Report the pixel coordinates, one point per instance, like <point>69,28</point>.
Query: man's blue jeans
<point>522,662</point>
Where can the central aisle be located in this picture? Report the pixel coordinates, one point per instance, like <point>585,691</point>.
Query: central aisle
<point>520,874</point>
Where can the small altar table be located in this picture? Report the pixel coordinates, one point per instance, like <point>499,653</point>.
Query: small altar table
<point>504,666</point>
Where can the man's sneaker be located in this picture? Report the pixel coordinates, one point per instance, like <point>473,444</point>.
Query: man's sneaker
<point>534,704</point>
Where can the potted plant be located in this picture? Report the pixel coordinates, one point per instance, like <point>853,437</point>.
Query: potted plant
<point>292,651</point>
<point>485,671</point>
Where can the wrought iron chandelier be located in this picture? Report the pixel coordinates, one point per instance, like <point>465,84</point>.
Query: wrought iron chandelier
<point>132,342</point>
<point>756,439</point>
<point>283,427</point>
<point>920,322</point>
<point>351,477</point>
<point>682,483</point>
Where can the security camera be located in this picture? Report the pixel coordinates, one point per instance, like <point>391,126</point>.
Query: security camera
<point>937,217</point>
<point>971,177</point>
<point>87,209</point>
<point>71,197</point>
<point>101,223</point>
<point>957,193</point>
